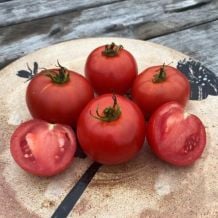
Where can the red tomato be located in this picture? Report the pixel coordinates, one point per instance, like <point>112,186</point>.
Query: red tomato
<point>111,68</point>
<point>175,136</point>
<point>111,130</point>
<point>158,85</point>
<point>42,148</point>
<point>58,95</point>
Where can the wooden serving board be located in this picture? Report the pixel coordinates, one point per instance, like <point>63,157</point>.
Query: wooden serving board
<point>143,187</point>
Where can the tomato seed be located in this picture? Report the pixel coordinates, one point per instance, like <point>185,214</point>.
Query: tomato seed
<point>185,151</point>
<point>57,157</point>
<point>61,146</point>
<point>191,147</point>
<point>26,155</point>
<point>191,143</point>
<point>61,142</point>
<point>62,149</point>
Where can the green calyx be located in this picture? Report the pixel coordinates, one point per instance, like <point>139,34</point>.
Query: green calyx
<point>112,50</point>
<point>161,76</point>
<point>110,113</point>
<point>59,77</point>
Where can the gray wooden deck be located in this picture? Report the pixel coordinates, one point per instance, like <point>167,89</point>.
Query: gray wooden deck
<point>189,26</point>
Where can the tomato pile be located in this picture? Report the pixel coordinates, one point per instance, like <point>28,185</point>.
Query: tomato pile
<point>110,112</point>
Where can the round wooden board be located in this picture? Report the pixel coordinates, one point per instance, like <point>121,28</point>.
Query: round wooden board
<point>144,187</point>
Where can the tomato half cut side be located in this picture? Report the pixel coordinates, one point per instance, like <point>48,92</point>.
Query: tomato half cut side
<point>42,148</point>
<point>175,136</point>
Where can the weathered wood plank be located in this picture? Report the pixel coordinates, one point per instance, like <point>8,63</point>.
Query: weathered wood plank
<point>200,42</point>
<point>178,5</point>
<point>18,11</point>
<point>130,19</point>
<point>2,1</point>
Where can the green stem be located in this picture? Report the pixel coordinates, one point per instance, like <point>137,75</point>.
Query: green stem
<point>110,113</point>
<point>161,76</point>
<point>59,77</point>
<point>112,50</point>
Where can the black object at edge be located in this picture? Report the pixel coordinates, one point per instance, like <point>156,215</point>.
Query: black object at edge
<point>79,151</point>
<point>30,73</point>
<point>73,196</point>
<point>203,81</point>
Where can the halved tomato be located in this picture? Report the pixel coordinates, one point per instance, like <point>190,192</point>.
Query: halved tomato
<point>42,148</point>
<point>175,136</point>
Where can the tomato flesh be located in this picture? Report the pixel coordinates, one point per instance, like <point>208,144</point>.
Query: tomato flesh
<point>111,142</point>
<point>42,148</point>
<point>175,136</point>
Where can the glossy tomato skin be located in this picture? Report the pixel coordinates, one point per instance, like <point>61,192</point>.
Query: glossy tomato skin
<point>43,149</point>
<point>175,136</point>
<point>149,95</point>
<point>111,74</point>
<point>58,103</point>
<point>112,142</point>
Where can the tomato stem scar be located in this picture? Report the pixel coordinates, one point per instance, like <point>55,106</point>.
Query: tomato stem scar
<point>112,50</point>
<point>161,76</point>
<point>59,77</point>
<point>109,113</point>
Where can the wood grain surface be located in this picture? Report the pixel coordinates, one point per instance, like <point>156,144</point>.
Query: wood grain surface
<point>143,187</point>
<point>19,11</point>
<point>200,42</point>
<point>26,26</point>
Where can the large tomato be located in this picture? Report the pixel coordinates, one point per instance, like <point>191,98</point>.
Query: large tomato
<point>175,136</point>
<point>42,148</point>
<point>111,130</point>
<point>157,85</point>
<point>58,95</point>
<point>111,68</point>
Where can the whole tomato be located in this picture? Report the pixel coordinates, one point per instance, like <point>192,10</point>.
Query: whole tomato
<point>111,130</point>
<point>58,95</point>
<point>175,136</point>
<point>157,85</point>
<point>111,68</point>
<point>42,148</point>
